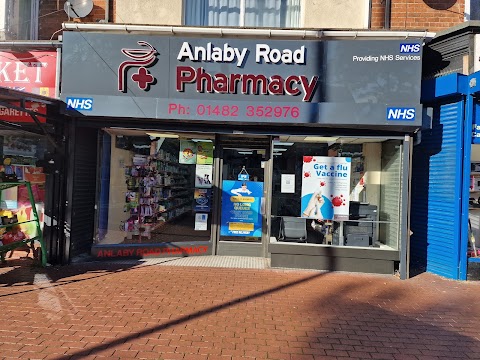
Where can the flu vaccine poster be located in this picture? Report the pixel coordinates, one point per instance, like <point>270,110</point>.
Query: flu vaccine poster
<point>326,187</point>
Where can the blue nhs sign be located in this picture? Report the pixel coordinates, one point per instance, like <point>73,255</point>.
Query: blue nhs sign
<point>400,114</point>
<point>85,104</point>
<point>410,48</point>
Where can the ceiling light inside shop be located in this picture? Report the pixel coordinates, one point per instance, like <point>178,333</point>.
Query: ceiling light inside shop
<point>245,152</point>
<point>282,143</point>
<point>202,140</point>
<point>162,135</point>
<point>279,149</point>
<point>320,138</point>
<point>276,154</point>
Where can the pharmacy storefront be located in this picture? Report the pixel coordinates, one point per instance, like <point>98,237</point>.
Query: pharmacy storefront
<point>297,150</point>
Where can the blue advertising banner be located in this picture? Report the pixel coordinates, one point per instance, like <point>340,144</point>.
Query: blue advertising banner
<point>241,204</point>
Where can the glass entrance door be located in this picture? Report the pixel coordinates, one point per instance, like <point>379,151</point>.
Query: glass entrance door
<point>243,188</point>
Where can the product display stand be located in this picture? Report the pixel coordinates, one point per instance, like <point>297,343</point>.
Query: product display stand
<point>28,241</point>
<point>158,192</point>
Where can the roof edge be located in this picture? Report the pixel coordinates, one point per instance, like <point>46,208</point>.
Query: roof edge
<point>30,44</point>
<point>263,32</point>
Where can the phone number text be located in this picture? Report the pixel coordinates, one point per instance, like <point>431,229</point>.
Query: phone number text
<point>235,111</point>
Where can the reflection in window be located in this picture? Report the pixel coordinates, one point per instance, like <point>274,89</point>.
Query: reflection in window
<point>251,13</point>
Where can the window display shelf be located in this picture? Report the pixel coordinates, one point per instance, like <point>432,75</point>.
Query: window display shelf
<point>17,223</point>
<point>173,207</point>
<point>165,182</point>
<point>170,172</point>
<point>162,223</point>
<point>4,186</point>
<point>173,186</point>
<point>174,197</point>
<point>167,161</point>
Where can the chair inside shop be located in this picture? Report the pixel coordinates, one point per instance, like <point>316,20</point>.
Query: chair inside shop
<point>293,229</point>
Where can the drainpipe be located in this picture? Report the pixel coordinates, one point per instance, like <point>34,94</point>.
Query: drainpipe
<point>388,13</point>
<point>107,10</point>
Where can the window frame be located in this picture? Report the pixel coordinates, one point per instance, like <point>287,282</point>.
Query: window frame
<point>242,14</point>
<point>13,22</point>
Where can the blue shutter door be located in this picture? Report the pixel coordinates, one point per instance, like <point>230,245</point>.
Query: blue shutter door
<point>436,194</point>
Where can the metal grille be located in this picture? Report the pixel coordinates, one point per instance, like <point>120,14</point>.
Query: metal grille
<point>84,191</point>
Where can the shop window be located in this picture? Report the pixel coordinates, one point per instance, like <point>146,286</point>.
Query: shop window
<point>158,188</point>
<point>337,191</point>
<point>21,19</point>
<point>22,157</point>
<point>472,10</point>
<point>251,13</point>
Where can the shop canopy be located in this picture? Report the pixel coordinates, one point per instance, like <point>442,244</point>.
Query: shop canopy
<point>28,112</point>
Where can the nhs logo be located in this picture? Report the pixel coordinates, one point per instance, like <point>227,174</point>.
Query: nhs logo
<point>400,114</point>
<point>85,104</point>
<point>409,48</point>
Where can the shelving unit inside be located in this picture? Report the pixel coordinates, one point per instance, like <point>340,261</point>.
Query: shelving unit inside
<point>159,190</point>
<point>155,190</point>
<point>162,189</point>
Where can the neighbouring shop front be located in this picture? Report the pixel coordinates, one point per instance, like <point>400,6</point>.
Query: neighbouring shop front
<point>446,161</point>
<point>30,141</point>
<point>445,181</point>
<point>297,150</point>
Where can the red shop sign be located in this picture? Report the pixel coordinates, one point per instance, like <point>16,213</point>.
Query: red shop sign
<point>13,115</point>
<point>30,71</point>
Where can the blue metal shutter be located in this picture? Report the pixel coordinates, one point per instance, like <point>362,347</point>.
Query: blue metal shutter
<point>436,194</point>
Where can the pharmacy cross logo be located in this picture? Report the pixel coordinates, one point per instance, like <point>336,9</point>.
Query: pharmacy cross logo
<point>143,78</point>
<point>141,59</point>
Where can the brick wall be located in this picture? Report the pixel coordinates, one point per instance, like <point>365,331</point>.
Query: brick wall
<point>52,16</point>
<point>377,19</point>
<point>431,15</point>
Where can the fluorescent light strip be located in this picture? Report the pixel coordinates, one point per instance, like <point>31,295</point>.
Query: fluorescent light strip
<point>282,143</point>
<point>162,135</point>
<point>320,138</point>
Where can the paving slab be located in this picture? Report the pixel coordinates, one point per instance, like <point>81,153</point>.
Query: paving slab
<point>231,308</point>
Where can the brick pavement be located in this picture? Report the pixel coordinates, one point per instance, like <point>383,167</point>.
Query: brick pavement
<point>121,311</point>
